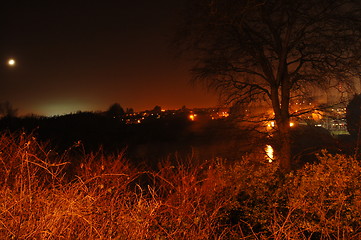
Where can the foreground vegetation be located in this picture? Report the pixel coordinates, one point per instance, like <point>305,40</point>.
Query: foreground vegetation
<point>94,196</point>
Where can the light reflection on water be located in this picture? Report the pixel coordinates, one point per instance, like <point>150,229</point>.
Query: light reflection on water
<point>269,153</point>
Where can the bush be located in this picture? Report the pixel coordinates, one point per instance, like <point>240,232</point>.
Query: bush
<point>326,198</point>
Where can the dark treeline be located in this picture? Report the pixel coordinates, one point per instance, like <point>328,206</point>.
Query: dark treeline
<point>153,139</point>
<point>173,135</point>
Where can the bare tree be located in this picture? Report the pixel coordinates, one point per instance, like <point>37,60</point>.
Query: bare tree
<point>273,51</point>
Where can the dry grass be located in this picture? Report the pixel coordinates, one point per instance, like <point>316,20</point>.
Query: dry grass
<point>105,197</point>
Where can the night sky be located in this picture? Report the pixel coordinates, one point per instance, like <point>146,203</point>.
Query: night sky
<point>87,55</point>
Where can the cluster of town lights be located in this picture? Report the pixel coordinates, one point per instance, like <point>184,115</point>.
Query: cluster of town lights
<point>272,124</point>
<point>192,117</point>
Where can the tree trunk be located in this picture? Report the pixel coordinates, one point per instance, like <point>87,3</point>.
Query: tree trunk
<point>285,157</point>
<point>284,123</point>
<point>283,127</point>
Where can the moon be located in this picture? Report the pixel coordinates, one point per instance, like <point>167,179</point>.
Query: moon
<point>11,62</point>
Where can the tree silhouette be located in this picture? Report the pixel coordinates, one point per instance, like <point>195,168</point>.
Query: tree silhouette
<point>115,111</point>
<point>353,116</point>
<point>273,51</point>
<point>157,109</point>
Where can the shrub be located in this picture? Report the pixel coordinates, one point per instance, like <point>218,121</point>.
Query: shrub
<point>326,198</point>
